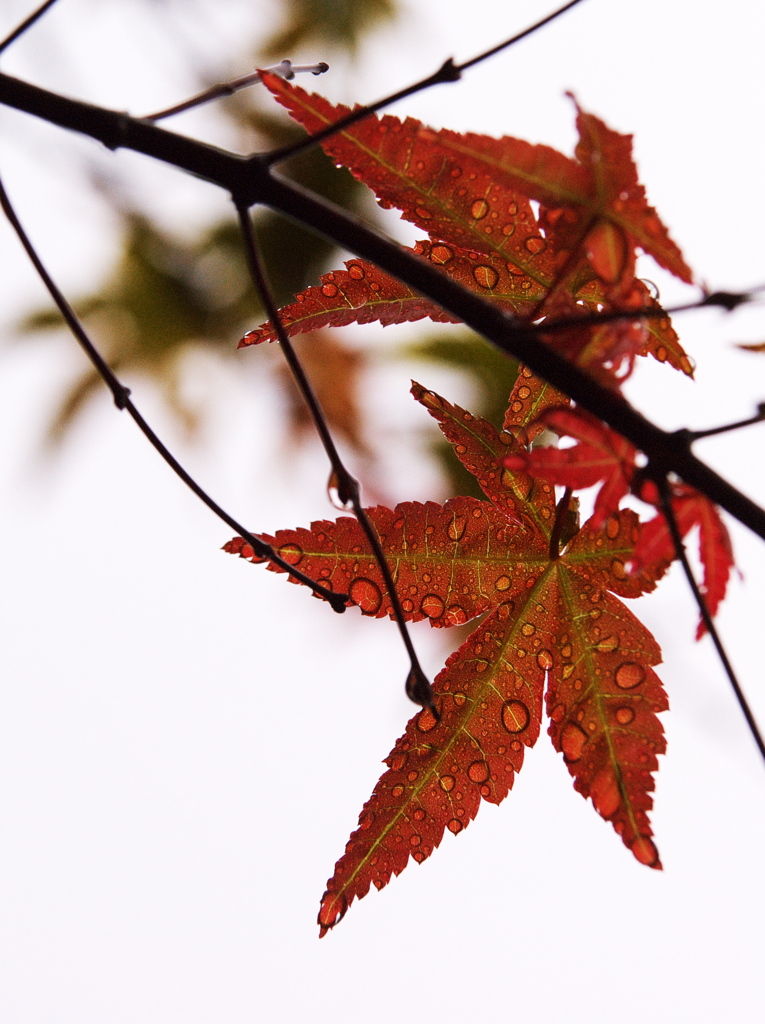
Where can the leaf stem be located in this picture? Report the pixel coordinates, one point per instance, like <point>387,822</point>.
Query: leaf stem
<point>122,400</point>
<point>418,686</point>
<point>668,512</point>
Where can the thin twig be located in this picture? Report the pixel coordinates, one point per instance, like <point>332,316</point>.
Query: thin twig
<point>417,685</point>
<point>286,69</point>
<point>26,23</point>
<point>122,400</point>
<point>695,435</point>
<point>668,512</point>
<point>722,300</point>
<point>448,72</point>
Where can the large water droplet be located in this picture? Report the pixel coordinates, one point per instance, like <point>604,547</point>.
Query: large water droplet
<point>454,827</point>
<point>456,615</point>
<point>441,254</point>
<point>572,741</point>
<point>479,209</point>
<point>607,645</point>
<point>545,660</point>
<point>645,851</point>
<point>426,720</point>
<point>432,606</point>
<point>502,583</point>
<point>366,594</point>
<point>478,772</point>
<point>356,272</point>
<point>629,675</point>
<point>456,527</point>
<point>625,715</point>
<point>534,244</point>
<point>515,716</point>
<point>332,911</point>
<point>485,276</point>
<point>397,790</point>
<point>605,793</point>
<point>291,553</point>
<point>612,527</point>
<point>447,783</point>
<point>330,290</point>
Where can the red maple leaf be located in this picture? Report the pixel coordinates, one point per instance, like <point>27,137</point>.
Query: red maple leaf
<point>554,629</point>
<point>715,551</point>
<point>472,194</point>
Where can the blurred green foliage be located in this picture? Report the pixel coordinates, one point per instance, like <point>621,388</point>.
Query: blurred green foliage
<point>338,24</point>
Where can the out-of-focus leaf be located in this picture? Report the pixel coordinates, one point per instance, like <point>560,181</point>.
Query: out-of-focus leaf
<point>335,24</point>
<point>166,296</point>
<point>334,371</point>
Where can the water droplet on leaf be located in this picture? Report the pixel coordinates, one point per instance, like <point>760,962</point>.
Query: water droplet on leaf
<point>366,594</point>
<point>291,553</point>
<point>478,772</point>
<point>625,715</point>
<point>485,276</point>
<point>456,527</point>
<point>629,675</point>
<point>515,716</point>
<point>572,741</point>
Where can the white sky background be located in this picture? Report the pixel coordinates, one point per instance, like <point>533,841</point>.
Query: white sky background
<point>186,741</point>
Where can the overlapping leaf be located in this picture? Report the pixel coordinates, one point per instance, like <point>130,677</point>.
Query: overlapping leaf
<point>472,195</point>
<point>552,618</point>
